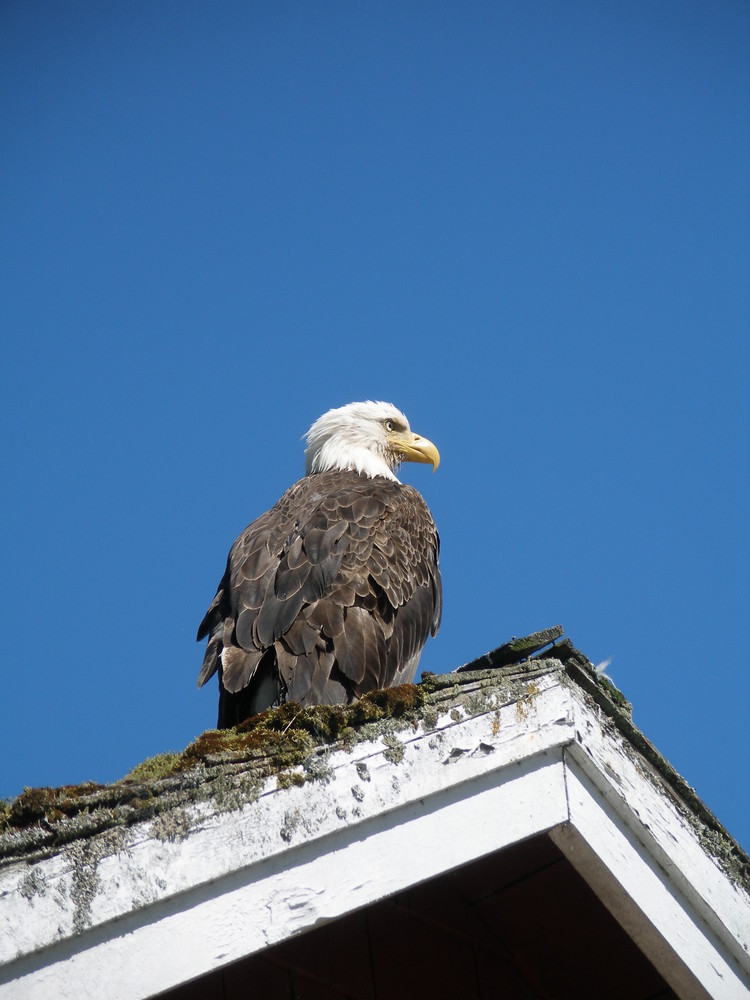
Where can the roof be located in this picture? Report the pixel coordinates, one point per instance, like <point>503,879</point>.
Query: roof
<point>258,827</point>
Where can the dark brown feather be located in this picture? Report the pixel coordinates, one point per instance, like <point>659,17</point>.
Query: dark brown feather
<point>331,593</point>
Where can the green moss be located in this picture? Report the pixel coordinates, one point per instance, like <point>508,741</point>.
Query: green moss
<point>614,693</point>
<point>36,804</point>
<point>290,779</point>
<point>212,743</point>
<point>289,733</point>
<point>160,766</point>
<point>5,805</point>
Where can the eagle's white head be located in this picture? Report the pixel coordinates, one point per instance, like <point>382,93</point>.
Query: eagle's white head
<point>370,438</point>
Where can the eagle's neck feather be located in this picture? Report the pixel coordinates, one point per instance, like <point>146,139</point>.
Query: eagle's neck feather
<point>336,454</point>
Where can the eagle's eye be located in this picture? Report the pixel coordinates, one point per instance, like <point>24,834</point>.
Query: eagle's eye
<point>389,425</point>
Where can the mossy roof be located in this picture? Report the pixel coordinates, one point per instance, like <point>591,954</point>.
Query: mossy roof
<point>227,768</point>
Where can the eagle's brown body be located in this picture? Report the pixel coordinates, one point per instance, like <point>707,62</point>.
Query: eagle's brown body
<point>331,593</point>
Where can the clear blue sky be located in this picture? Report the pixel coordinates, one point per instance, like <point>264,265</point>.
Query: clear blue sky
<point>526,224</point>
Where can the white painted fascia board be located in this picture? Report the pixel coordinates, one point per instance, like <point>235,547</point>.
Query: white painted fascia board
<point>186,936</point>
<point>645,898</point>
<point>136,880</point>
<point>646,806</point>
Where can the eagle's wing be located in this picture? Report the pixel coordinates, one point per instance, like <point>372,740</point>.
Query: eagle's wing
<point>331,593</point>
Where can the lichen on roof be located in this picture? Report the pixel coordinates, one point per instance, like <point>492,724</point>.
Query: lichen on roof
<point>227,766</point>
<point>290,745</point>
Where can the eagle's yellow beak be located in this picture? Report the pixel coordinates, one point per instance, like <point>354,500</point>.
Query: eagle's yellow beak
<point>415,448</point>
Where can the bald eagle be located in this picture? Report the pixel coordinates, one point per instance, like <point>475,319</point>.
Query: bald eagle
<point>333,591</point>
